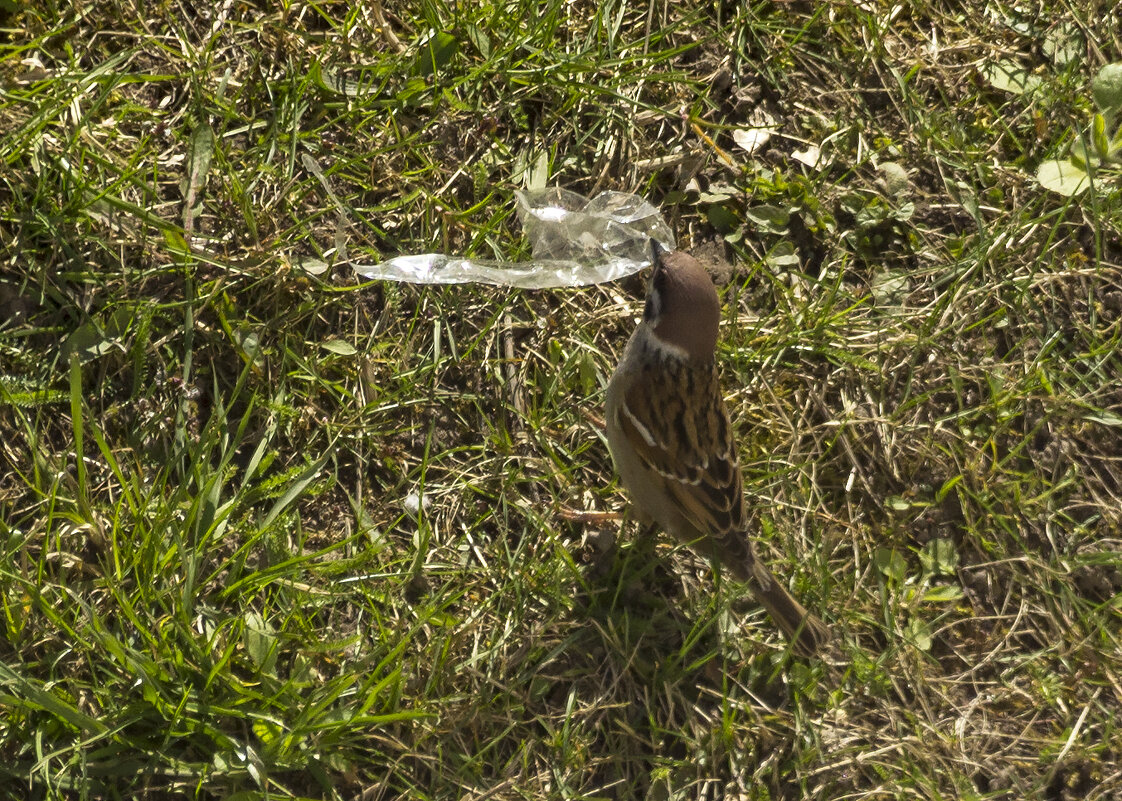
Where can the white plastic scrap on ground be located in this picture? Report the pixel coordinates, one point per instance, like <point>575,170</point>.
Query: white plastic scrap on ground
<point>574,242</point>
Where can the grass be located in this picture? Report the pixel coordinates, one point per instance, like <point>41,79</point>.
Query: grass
<point>269,531</point>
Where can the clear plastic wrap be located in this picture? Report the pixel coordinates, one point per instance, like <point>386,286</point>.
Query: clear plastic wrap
<point>574,242</point>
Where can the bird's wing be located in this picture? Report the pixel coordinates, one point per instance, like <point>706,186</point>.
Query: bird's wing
<point>689,445</point>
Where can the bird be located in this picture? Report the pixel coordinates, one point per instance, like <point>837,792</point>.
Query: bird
<point>671,437</point>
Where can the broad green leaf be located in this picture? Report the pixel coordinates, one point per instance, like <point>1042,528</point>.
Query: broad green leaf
<point>895,178</point>
<point>480,39</point>
<point>1011,77</point>
<point>249,343</point>
<point>260,642</point>
<point>888,286</point>
<point>714,195</point>
<point>1062,43</point>
<point>340,347</point>
<point>919,633</point>
<point>336,84</point>
<point>1099,138</point>
<point>1104,418</point>
<point>897,504</point>
<point>768,217</point>
<point>88,341</point>
<point>436,51</point>
<point>1081,156</point>
<point>722,218</point>
<point>943,594</point>
<point>783,255</point>
<point>175,242</point>
<point>1107,88</point>
<point>904,211</point>
<point>891,564</point>
<point>939,557</point>
<point>1062,177</point>
<point>267,731</point>
<point>199,157</point>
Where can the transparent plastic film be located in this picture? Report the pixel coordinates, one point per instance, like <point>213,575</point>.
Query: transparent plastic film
<point>574,242</point>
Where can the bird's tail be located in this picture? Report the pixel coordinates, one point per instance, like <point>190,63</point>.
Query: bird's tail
<point>807,633</point>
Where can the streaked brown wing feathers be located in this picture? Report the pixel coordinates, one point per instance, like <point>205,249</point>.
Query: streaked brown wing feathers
<point>702,472</point>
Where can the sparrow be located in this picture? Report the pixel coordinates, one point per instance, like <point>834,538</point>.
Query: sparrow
<point>671,437</point>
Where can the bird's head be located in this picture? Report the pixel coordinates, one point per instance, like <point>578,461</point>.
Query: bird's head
<point>682,309</point>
